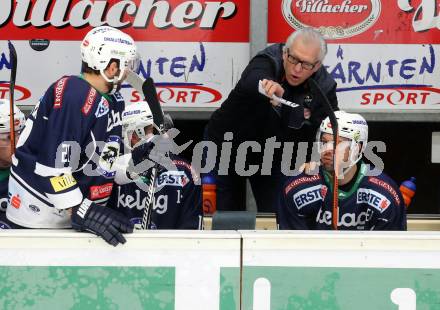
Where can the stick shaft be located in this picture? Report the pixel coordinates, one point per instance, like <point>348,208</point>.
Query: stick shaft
<point>13,60</point>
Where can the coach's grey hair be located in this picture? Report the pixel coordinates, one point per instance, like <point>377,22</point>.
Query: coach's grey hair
<point>309,34</point>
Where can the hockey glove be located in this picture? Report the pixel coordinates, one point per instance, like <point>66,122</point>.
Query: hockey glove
<point>156,151</point>
<point>102,221</point>
<point>140,163</point>
<point>141,151</point>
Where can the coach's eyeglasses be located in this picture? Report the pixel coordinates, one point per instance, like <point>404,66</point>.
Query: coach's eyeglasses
<point>304,64</point>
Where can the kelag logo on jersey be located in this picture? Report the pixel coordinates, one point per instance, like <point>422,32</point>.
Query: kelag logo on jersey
<point>346,219</point>
<point>353,17</point>
<point>309,195</point>
<point>172,178</point>
<point>372,198</point>
<point>134,201</point>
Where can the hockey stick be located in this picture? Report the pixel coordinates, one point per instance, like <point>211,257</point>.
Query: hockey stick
<point>13,60</point>
<point>148,89</point>
<point>316,89</point>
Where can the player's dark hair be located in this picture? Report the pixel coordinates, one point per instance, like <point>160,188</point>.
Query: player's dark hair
<point>86,69</point>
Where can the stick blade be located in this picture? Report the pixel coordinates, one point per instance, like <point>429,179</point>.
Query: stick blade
<point>13,58</point>
<point>13,61</point>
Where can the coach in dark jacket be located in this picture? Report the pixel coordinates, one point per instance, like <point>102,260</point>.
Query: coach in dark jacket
<point>285,70</point>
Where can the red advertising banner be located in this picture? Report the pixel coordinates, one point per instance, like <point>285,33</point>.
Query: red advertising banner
<point>144,20</point>
<point>358,21</point>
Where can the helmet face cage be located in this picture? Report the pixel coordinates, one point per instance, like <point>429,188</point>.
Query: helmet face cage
<point>350,126</point>
<point>135,118</point>
<point>19,118</point>
<point>105,43</point>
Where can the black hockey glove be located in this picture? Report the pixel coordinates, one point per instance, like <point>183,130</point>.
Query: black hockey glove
<point>141,152</point>
<point>140,164</point>
<point>102,221</point>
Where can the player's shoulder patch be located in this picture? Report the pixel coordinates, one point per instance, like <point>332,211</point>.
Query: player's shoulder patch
<point>103,108</point>
<point>386,186</point>
<point>59,89</point>
<point>301,180</point>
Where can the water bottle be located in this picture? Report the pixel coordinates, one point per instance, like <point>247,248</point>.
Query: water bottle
<point>408,190</point>
<point>209,195</point>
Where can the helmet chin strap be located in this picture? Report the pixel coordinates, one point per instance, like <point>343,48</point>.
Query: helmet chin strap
<point>113,82</point>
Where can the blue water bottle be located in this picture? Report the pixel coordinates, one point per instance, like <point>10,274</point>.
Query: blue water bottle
<point>408,190</point>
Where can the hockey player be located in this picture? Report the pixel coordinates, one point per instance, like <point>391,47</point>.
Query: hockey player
<point>286,70</point>
<point>178,203</point>
<point>365,202</point>
<point>62,172</point>
<point>5,155</point>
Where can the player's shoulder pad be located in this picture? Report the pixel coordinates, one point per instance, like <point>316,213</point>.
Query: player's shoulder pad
<point>300,181</point>
<point>384,184</point>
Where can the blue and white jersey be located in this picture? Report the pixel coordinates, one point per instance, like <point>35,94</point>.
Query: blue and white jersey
<point>372,203</point>
<point>4,176</point>
<point>65,153</point>
<point>178,201</point>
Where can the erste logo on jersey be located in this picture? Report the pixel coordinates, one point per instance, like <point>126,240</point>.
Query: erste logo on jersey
<point>335,19</point>
<point>309,195</point>
<point>172,178</point>
<point>16,201</point>
<point>373,199</point>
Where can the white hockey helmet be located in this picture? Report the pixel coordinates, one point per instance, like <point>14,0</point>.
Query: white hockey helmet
<point>19,118</point>
<point>101,44</point>
<point>351,126</point>
<point>135,118</point>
